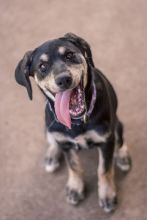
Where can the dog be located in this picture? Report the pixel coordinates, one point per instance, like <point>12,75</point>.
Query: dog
<point>80,113</point>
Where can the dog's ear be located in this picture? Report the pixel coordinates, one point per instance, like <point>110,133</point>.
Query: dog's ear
<point>82,45</point>
<point>22,72</point>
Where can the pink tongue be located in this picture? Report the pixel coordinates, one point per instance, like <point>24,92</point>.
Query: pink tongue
<point>62,100</point>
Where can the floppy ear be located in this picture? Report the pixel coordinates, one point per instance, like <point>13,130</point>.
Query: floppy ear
<point>22,72</point>
<point>82,45</point>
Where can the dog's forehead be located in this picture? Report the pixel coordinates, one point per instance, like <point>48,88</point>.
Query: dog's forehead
<point>54,47</point>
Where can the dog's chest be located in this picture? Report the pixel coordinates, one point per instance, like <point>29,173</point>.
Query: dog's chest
<point>86,140</point>
<point>89,139</point>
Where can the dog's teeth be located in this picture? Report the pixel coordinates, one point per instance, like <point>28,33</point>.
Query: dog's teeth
<point>77,103</point>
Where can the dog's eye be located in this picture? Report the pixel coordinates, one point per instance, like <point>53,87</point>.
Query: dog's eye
<point>43,67</point>
<point>69,55</point>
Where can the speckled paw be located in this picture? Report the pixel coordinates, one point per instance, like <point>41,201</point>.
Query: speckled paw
<point>108,204</point>
<point>73,197</point>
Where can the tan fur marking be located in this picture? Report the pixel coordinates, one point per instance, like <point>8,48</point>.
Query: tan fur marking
<point>53,153</point>
<point>76,73</point>
<point>106,185</point>
<point>122,157</point>
<point>53,149</point>
<point>81,138</point>
<point>47,84</point>
<point>75,171</point>
<point>85,70</point>
<point>105,180</point>
<point>44,57</point>
<point>123,151</point>
<point>61,50</point>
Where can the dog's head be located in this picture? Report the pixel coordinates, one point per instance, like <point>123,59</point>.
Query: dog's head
<point>59,67</point>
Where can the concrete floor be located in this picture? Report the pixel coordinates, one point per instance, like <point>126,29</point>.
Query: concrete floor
<point>117,33</point>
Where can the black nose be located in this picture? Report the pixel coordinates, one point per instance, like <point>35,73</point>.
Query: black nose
<point>64,82</point>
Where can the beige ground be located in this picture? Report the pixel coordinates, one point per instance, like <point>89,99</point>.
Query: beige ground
<point>117,33</point>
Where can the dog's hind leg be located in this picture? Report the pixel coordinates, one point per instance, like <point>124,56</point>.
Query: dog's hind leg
<point>106,185</point>
<point>75,183</point>
<point>122,156</point>
<point>53,154</point>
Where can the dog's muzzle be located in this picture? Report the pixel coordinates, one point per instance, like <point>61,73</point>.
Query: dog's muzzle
<point>69,103</point>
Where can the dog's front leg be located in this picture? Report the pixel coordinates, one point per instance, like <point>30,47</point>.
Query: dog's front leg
<point>106,186</point>
<point>53,154</point>
<point>75,183</point>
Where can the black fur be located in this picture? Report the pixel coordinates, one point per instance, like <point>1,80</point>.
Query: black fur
<point>103,118</point>
<point>22,72</point>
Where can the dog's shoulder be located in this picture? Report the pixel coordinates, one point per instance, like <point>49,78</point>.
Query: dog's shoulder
<point>104,86</point>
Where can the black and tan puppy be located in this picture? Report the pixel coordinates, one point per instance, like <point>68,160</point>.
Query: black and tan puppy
<point>80,113</point>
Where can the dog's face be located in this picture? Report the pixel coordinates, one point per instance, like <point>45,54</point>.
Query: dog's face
<point>59,67</point>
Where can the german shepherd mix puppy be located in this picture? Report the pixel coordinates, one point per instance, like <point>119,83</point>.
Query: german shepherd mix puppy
<point>80,113</point>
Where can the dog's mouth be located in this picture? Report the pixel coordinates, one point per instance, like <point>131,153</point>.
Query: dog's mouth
<point>70,104</point>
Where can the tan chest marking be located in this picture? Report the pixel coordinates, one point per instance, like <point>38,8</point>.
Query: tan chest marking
<point>81,139</point>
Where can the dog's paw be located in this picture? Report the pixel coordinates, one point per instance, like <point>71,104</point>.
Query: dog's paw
<point>124,163</point>
<point>123,159</point>
<point>73,197</point>
<point>51,165</point>
<point>108,204</point>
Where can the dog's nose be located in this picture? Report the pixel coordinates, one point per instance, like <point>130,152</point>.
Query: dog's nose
<point>64,82</point>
